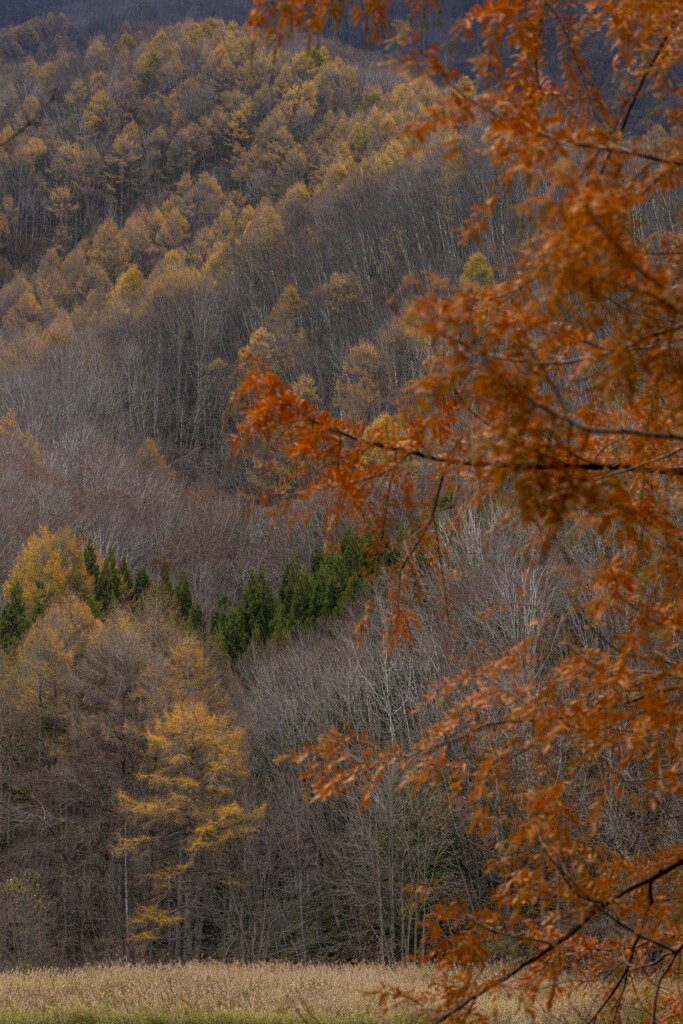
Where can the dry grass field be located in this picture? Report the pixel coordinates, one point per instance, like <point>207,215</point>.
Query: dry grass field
<point>199,991</point>
<point>215,993</point>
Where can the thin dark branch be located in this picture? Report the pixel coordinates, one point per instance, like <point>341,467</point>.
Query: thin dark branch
<point>650,879</point>
<point>538,466</point>
<point>529,962</point>
<point>641,84</point>
<point>653,435</point>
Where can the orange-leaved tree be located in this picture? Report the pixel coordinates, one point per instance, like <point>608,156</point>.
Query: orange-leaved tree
<point>556,393</point>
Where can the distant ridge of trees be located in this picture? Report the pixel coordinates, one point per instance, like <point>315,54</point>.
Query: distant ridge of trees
<point>103,16</point>
<point>100,15</point>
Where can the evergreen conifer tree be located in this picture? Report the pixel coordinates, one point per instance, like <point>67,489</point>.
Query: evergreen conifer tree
<point>316,559</point>
<point>108,584</point>
<point>231,629</point>
<point>257,605</point>
<point>300,610</point>
<point>294,588</point>
<point>195,618</point>
<point>165,585</point>
<point>182,597</point>
<point>14,618</point>
<point>329,586</point>
<point>142,581</point>
<point>352,552</point>
<point>288,582</point>
<point>281,623</point>
<point>219,615</point>
<point>91,560</point>
<point>126,578</point>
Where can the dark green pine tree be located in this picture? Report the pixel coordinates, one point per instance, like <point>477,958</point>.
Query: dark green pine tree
<point>196,618</point>
<point>219,615</point>
<point>293,569</point>
<point>182,597</point>
<point>165,585</point>
<point>14,618</point>
<point>142,581</point>
<point>108,584</point>
<point>257,605</point>
<point>329,586</point>
<point>357,558</point>
<point>91,560</point>
<point>38,604</point>
<point>316,559</point>
<point>352,550</point>
<point>231,629</point>
<point>300,609</point>
<point>281,624</point>
<point>294,589</point>
<point>127,584</point>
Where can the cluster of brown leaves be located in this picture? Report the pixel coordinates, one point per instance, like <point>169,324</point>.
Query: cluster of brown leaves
<point>557,392</point>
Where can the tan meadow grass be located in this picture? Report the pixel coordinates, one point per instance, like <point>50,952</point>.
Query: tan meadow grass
<point>255,990</point>
<point>265,992</point>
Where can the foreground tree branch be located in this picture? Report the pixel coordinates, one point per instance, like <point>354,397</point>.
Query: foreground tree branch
<point>553,393</point>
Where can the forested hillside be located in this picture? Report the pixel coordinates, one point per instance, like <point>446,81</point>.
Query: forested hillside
<point>157,223</point>
<point>179,206</point>
<point>185,203</point>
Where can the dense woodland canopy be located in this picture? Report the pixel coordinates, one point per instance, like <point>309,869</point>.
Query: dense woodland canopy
<point>184,210</point>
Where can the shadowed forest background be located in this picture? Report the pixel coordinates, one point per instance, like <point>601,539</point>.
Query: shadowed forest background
<point>183,205</point>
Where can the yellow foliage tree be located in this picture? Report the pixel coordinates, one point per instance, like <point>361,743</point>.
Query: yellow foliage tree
<point>476,273</point>
<point>260,349</point>
<point>188,672</point>
<point>305,387</point>
<point>186,810</point>
<point>357,389</point>
<point>96,111</point>
<point>129,283</point>
<point>11,431</point>
<point>152,460</point>
<point>174,228</point>
<point>110,249</point>
<point>50,564</point>
<point>45,670</point>
<point>383,433</point>
<point>25,310</point>
<point>284,322</point>
<point>63,209</point>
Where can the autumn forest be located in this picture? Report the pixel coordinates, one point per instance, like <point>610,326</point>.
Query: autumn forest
<point>339,403</point>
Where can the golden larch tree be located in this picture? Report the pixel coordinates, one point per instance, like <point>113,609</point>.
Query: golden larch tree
<point>48,564</point>
<point>184,810</point>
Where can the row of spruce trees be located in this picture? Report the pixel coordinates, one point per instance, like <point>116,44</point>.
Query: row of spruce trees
<point>303,596</point>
